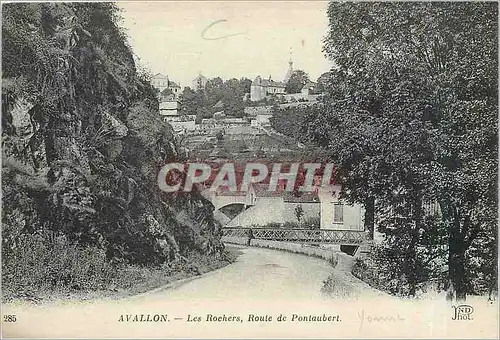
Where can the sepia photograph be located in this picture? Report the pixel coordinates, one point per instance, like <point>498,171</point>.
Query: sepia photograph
<point>249,169</point>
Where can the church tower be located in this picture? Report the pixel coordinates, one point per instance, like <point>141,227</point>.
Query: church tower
<point>290,68</point>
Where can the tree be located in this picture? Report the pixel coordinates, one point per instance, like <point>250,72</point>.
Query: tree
<point>245,85</point>
<point>296,82</point>
<point>234,106</point>
<point>219,135</point>
<point>199,118</point>
<point>232,98</point>
<point>299,212</point>
<point>230,92</point>
<point>214,84</point>
<point>323,82</point>
<point>190,101</point>
<point>204,113</point>
<point>290,121</point>
<point>410,118</point>
<point>166,92</point>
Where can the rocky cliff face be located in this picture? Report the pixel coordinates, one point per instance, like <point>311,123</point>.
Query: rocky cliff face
<point>82,140</point>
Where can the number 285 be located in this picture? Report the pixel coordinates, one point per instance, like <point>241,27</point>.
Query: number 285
<point>9,318</point>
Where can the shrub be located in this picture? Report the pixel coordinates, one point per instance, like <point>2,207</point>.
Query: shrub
<point>44,261</point>
<point>287,225</point>
<point>379,274</point>
<point>219,135</point>
<point>337,287</point>
<point>311,223</point>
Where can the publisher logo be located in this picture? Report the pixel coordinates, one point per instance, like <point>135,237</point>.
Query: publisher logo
<point>462,312</point>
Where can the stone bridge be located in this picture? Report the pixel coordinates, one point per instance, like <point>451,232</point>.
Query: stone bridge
<point>221,201</point>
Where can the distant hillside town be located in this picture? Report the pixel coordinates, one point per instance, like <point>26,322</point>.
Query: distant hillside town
<point>208,105</point>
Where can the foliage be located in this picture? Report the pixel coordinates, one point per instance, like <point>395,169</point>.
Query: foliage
<point>323,82</point>
<point>229,92</point>
<point>292,121</point>
<point>306,223</point>
<point>311,223</point>
<point>299,212</point>
<point>410,118</point>
<point>296,82</point>
<point>411,114</point>
<point>190,100</point>
<point>219,135</point>
<point>166,93</point>
<point>46,260</point>
<point>43,263</point>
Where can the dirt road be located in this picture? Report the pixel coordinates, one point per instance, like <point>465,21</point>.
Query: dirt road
<point>244,299</point>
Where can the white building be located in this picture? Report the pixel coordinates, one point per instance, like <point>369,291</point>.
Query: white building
<point>175,88</point>
<point>169,110</point>
<point>338,215</point>
<point>279,206</point>
<point>199,82</point>
<point>160,81</point>
<point>261,88</point>
<point>309,88</point>
<point>183,127</point>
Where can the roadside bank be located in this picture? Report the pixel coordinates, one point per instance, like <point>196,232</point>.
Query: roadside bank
<point>129,280</point>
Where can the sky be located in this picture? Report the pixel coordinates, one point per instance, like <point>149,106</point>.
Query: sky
<point>230,39</point>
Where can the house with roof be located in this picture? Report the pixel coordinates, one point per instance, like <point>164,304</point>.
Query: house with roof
<point>199,82</point>
<point>162,83</point>
<point>309,88</point>
<point>337,214</point>
<point>261,88</point>
<point>159,81</point>
<point>261,207</point>
<point>170,108</point>
<point>219,106</point>
<point>175,88</point>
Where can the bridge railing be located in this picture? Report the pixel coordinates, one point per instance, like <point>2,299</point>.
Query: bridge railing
<point>345,237</point>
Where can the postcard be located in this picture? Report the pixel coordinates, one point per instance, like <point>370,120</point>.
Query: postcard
<point>249,169</point>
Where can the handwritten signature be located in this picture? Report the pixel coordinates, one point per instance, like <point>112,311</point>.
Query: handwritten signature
<point>204,36</point>
<point>377,318</point>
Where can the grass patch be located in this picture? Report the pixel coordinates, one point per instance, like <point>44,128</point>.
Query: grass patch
<point>40,269</point>
<point>338,287</point>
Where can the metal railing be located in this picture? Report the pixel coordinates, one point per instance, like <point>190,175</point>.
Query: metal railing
<point>312,236</point>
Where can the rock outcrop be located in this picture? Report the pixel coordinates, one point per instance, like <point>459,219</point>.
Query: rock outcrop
<point>83,140</point>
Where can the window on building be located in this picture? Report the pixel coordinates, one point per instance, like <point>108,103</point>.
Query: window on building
<point>338,213</point>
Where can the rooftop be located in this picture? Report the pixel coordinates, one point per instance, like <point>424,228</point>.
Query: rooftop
<point>309,85</point>
<point>160,76</point>
<point>200,76</point>
<point>305,197</point>
<point>267,82</point>
<point>173,84</point>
